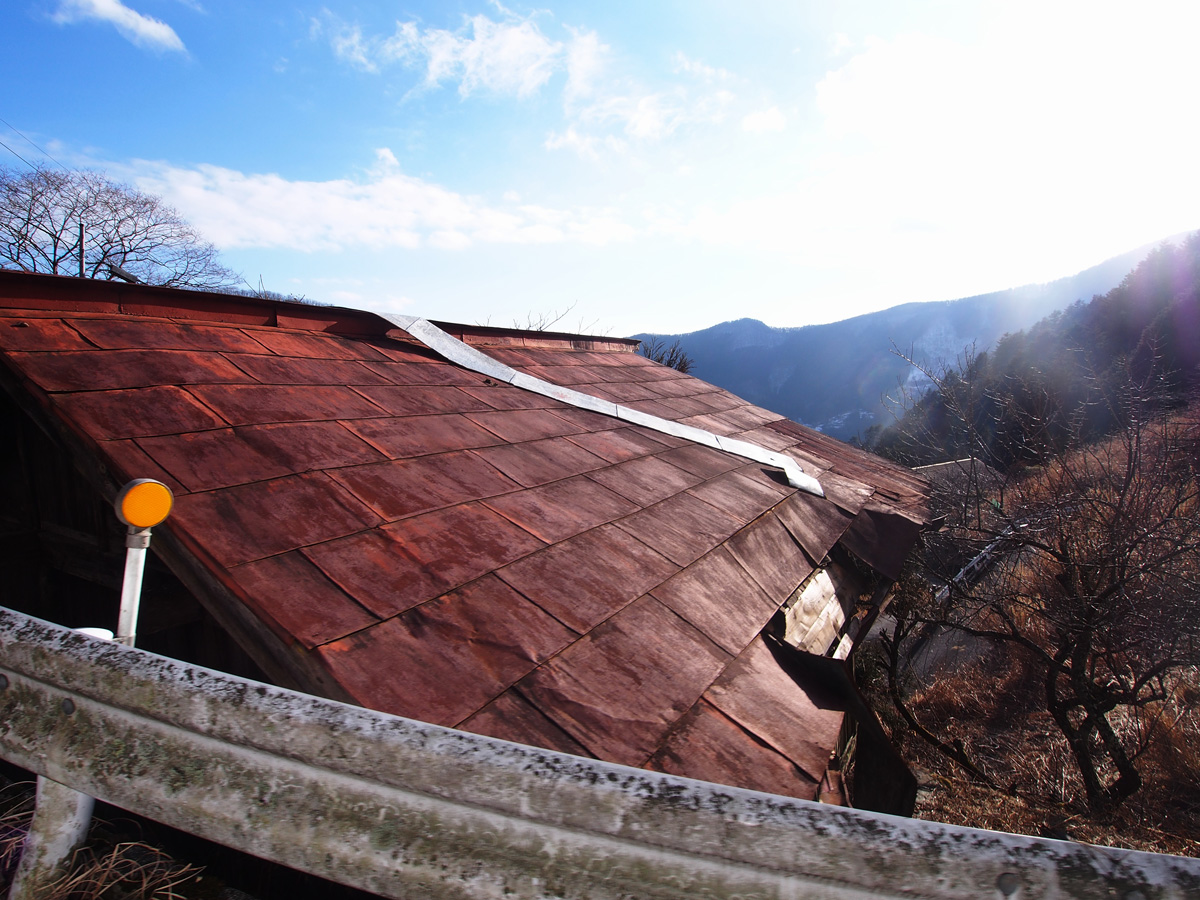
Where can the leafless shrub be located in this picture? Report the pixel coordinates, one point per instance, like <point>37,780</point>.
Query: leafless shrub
<point>672,356</point>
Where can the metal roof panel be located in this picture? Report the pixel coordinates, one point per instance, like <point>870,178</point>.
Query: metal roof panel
<point>555,512</point>
<point>421,400</point>
<point>712,747</point>
<point>71,370</point>
<point>540,462</point>
<point>250,521</point>
<point>400,438</point>
<point>716,595</point>
<point>444,660</point>
<point>645,480</point>
<point>619,444</point>
<point>130,333</point>
<point>772,557</point>
<point>682,527</point>
<point>266,404</point>
<point>802,723</point>
<point>620,691</point>
<point>511,717</point>
<point>742,497</point>
<point>137,413</point>
<point>34,333</point>
<point>399,488</point>
<point>205,460</point>
<point>515,426</point>
<point>585,579</point>
<point>317,346</point>
<point>298,600</point>
<point>817,524</point>
<point>301,370</point>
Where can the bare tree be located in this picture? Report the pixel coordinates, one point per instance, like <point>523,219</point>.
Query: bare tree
<point>125,232</point>
<point>1084,561</point>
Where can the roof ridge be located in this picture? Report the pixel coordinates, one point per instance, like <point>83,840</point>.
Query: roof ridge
<point>456,351</point>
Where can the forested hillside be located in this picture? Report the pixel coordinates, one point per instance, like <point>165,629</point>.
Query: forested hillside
<point>1064,378</point>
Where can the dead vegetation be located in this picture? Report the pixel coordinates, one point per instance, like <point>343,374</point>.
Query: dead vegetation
<point>106,868</point>
<point>989,708</point>
<point>993,712</point>
<point>1043,667</point>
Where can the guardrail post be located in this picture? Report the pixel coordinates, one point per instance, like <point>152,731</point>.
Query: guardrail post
<point>60,824</point>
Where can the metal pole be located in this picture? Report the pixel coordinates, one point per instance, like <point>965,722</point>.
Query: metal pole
<point>137,540</point>
<point>60,825</point>
<point>80,248</point>
<point>61,819</point>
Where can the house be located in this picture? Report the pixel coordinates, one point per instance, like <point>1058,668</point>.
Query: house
<point>551,540</point>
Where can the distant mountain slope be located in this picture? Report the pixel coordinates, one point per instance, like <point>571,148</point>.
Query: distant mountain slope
<point>834,377</point>
<point>1076,375</point>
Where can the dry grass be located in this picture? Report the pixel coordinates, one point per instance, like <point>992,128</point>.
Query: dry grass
<point>130,869</point>
<point>16,808</point>
<point>101,870</point>
<point>993,708</point>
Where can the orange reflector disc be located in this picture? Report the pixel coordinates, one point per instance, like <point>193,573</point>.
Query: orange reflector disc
<point>144,502</point>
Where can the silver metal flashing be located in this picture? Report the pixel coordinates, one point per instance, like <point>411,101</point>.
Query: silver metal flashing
<point>565,394</point>
<point>451,348</point>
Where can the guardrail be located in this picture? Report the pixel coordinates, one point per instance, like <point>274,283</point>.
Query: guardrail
<point>410,810</point>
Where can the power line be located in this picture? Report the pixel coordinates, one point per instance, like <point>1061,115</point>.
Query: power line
<point>18,131</point>
<point>17,155</point>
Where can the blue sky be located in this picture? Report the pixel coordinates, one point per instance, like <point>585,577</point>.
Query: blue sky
<point>653,166</point>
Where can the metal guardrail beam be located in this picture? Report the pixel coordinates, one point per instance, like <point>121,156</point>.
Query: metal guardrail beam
<point>410,810</point>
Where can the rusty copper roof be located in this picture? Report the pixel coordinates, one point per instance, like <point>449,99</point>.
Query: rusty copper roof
<point>386,527</point>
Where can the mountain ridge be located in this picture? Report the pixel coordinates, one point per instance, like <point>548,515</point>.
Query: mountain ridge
<point>841,377</point>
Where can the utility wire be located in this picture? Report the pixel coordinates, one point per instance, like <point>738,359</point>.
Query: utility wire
<point>17,155</point>
<point>31,144</point>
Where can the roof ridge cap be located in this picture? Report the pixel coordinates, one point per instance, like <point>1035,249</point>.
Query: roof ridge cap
<point>456,351</point>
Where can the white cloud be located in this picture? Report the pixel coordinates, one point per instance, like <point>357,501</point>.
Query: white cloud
<point>647,117</point>
<point>603,112</point>
<point>839,44</point>
<point>608,111</point>
<point>348,45</point>
<point>684,65</point>
<point>1028,131</point>
<point>764,120</point>
<point>140,29</point>
<point>386,209</point>
<point>587,59</point>
<point>571,139</point>
<point>511,57</point>
<point>586,146</point>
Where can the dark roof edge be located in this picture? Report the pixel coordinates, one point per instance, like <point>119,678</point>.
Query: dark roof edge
<point>486,335</point>
<point>98,295</point>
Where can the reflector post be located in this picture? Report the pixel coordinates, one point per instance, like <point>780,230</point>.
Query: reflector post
<point>144,503</point>
<point>141,504</point>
